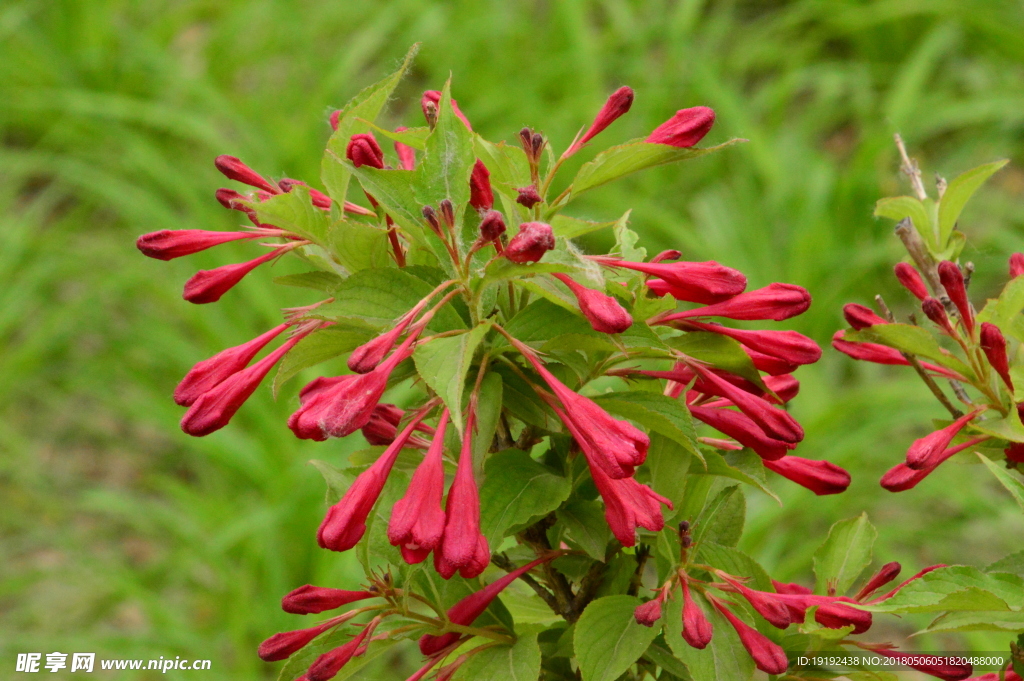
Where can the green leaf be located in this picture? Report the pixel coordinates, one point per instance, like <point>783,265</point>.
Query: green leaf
<point>542,320</point>
<point>1007,427</point>
<point>315,348</point>
<point>622,160</point>
<point>721,520</point>
<point>317,280</point>
<point>380,296</point>
<point>625,240</point>
<point>1005,309</point>
<point>393,190</point>
<point>912,339</point>
<point>608,640</point>
<point>844,555</point>
<point>358,246</point>
<point>566,227</point>
<point>299,662</point>
<point>957,587</point>
<point>522,402</point>
<point>586,526</point>
<point>719,351</point>
<point>443,169</point>
<point>516,490</point>
<point>355,118</point>
<point>735,562</point>
<point>978,621</point>
<point>723,658</point>
<point>517,662</point>
<point>659,654</point>
<point>668,463</point>
<point>660,413</point>
<point>503,268</point>
<point>717,465</point>
<point>508,165</point>
<point>1013,563</point>
<point>899,207</point>
<point>959,192</point>
<point>294,211</point>
<point>338,481</point>
<point>443,364</point>
<point>1012,484</point>
<point>410,137</point>
<point>488,413</point>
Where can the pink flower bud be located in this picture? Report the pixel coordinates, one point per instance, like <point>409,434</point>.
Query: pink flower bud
<point>648,613</point>
<point>695,282</point>
<point>310,600</point>
<point>1016,265</point>
<point>697,627</point>
<point>234,169</point>
<point>417,519</point>
<point>434,97</point>
<point>885,574</point>
<point>671,254</point>
<point>211,372</point>
<point>775,301</point>
<point>883,354</point>
<point>994,346</point>
<point>480,195</point>
<point>472,606</point>
<point>934,310</point>
<point>769,657</point>
<point>926,449</point>
<point>492,226</point>
<point>212,410</point>
<point>821,477</point>
<point>345,522</point>
<point>764,603</point>
<point>627,504</point>
<point>406,154</point>
<point>367,356</point>
<point>602,311</point>
<point>460,548</point>
<point>786,386</point>
<point>790,588</point>
<point>741,428</point>
<point>911,280</point>
<point>281,646</point>
<point>861,317</point>
<point>207,286</point>
<point>531,243</point>
<point>773,366</point>
<point>528,196</point>
<point>685,129</point>
<point>168,244</point>
<point>788,346</point>
<point>617,105</point>
<point>363,150</point>
<point>902,477</point>
<point>330,663</point>
<point>774,422</point>
<point>952,280</point>
<point>902,584</point>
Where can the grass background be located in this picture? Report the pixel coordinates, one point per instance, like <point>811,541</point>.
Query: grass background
<point>120,535</point>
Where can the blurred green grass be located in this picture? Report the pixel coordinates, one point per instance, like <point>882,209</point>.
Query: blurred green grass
<point>122,536</point>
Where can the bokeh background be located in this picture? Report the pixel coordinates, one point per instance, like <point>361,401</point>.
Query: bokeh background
<point>121,535</point>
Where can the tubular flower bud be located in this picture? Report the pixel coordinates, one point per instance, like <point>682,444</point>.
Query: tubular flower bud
<point>885,574</point>
<point>993,343</point>
<point>697,627</point>
<point>650,612</point>
<point>773,366</point>
<point>207,286</point>
<point>768,656</point>
<point>330,663</point>
<point>531,243</point>
<point>786,386</point>
<point>832,611</point>
<point>952,280</point>
<point>920,574</point>
<point>950,669</point>
<point>463,548</point>
<point>934,311</point>
<point>685,129</point>
<point>363,150</point>
<point>788,346</point>
<point>911,280</point>
<point>1016,265</point>
<point>775,301</point>
<point>281,646</point>
<point>926,449</point>
<point>367,356</point>
<point>434,97</point>
<point>528,196</point>
<point>741,428</point>
<point>472,606</point>
<point>861,317</point>
<point>764,603</point>
<point>617,105</point>
<point>902,477</point>
<point>345,522</point>
<point>774,422</point>
<point>671,254</point>
<point>602,311</point>
<point>417,519</point>
<point>406,154</point>
<point>168,244</point>
<point>382,428</point>
<point>310,600</point>
<point>790,588</point>
<point>695,282</point>
<point>883,354</point>
<point>212,410</point>
<point>821,477</point>
<point>481,196</point>
<point>628,504</point>
<point>492,226</point>
<point>209,373</point>
<point>234,169</point>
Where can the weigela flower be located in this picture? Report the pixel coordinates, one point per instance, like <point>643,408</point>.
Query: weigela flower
<point>617,105</point>
<point>481,196</point>
<point>926,449</point>
<point>463,548</point>
<point>648,613</point>
<point>207,286</point>
<point>604,313</point>
<point>883,354</point>
<point>885,574</point>
<point>764,603</point>
<point>934,310</point>
<point>492,226</point>
<point>775,301</point>
<point>628,504</point>
<point>952,279</point>
<point>789,346</point>
<point>685,129</point>
<point>742,428</point>
<point>531,243</point>
<point>821,477</point>
<point>434,97</point>
<point>363,150</point>
<point>902,477</point>
<point>209,373</point>
<point>417,519</point>
<point>168,244</point>
<point>993,344</point>
<point>768,656</point>
<point>382,428</point>
<point>310,600</point>
<point>697,629</point>
<point>911,280</point>
<point>330,663</point>
<point>528,196</point>
<point>281,646</point>
<point>861,317</point>
<point>234,169</point>
<point>695,282</point>
<point>406,154</point>
<point>775,422</point>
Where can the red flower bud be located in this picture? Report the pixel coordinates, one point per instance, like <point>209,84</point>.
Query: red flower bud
<point>168,244</point>
<point>617,105</point>
<point>952,280</point>
<point>1015,452</point>
<point>207,286</point>
<point>1016,265</point>
<point>212,410</point>
<point>920,574</point>
<point>345,522</point>
<point>382,428</point>
<point>926,449</point>
<point>282,645</point>
<point>648,613</point>
<point>741,428</point>
<point>480,195</point>
<point>406,154</point>
<point>330,663</point>
<point>627,504</point>
<point>788,346</point>
<point>417,519</point>
<point>685,129</point>
<point>774,422</point>
<point>786,387</point>
<point>860,317</point>
<point>934,310</point>
<point>528,196</point>
<point>949,669</point>
<point>697,627</point>
<point>234,169</point>
<point>885,574</point>
<point>209,373</point>
<point>775,301</point>
<point>902,477</point>
<point>492,226</point>
<point>695,282</point>
<point>769,657</point>
<point>434,97</point>
<point>671,254</point>
<point>773,366</point>
<point>531,243</point>
<point>602,311</point>
<point>463,548</point>
<point>367,356</point>
<point>790,588</point>
<point>883,354</point>
<point>911,280</point>
<point>764,603</point>
<point>832,611</point>
<point>309,599</point>
<point>363,150</point>
<point>994,345</point>
<point>472,606</point>
<point>821,477</point>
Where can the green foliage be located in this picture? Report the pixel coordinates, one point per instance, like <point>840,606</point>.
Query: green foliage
<point>608,640</point>
<point>844,555</point>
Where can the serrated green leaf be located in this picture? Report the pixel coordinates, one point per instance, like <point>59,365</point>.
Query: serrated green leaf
<point>517,662</point>
<point>315,348</point>
<point>719,351</point>
<point>1013,563</point>
<point>488,413</point>
<point>899,207</point>
<point>393,190</point>
<point>721,521</point>
<point>443,364</point>
<point>1005,309</point>
<point>844,554</point>
<point>338,481</point>
<point>956,587</point>
<point>659,653</point>
<point>659,413</point>
<point>585,523</point>
<point>978,621</point>
<point>516,490</point>
<point>358,246</point>
<point>317,280</point>
<point>410,137</point>
<point>1012,484</point>
<point>608,640</point>
<point>912,339</point>
<point>1007,427</point>
<point>622,160</point>
<point>716,464</point>
<point>293,211</point>
<point>522,402</point>
<point>625,240</point>
<point>723,658</point>
<point>571,228</point>
<point>668,463</point>
<point>959,192</point>
<point>542,320</point>
<point>443,169</point>
<point>380,296</point>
